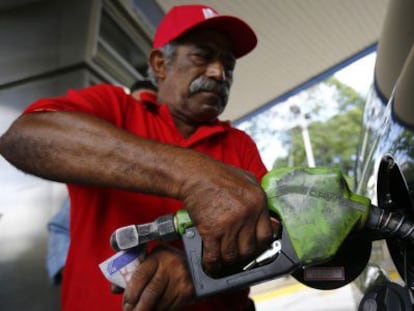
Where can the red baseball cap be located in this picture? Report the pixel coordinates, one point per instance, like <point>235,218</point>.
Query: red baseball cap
<point>183,18</point>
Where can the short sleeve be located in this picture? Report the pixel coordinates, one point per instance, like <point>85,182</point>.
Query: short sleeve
<point>102,100</point>
<point>252,159</point>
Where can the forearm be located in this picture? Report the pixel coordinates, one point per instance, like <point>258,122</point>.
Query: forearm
<point>80,149</point>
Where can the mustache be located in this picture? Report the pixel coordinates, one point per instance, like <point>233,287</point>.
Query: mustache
<point>203,84</point>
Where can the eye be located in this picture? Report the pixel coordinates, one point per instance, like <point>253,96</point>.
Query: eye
<point>229,74</point>
<point>229,62</point>
<point>201,56</point>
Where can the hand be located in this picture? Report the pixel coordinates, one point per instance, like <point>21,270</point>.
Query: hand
<point>229,209</point>
<point>161,282</point>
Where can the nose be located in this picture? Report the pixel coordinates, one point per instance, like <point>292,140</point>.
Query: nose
<point>216,71</point>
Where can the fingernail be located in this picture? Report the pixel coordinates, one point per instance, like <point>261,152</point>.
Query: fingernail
<point>127,307</point>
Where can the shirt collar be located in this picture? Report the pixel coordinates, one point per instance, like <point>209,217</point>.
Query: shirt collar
<point>202,132</point>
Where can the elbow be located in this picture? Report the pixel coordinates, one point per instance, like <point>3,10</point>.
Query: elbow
<point>2,144</point>
<point>7,143</point>
<point>10,142</point>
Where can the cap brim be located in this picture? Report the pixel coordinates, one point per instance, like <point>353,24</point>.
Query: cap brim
<point>241,35</point>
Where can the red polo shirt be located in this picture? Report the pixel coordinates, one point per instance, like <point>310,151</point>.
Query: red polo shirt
<point>97,212</point>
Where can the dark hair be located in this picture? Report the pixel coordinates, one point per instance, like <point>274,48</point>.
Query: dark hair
<point>168,51</point>
<point>142,84</point>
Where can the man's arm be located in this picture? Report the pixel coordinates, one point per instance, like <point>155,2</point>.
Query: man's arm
<point>227,205</point>
<point>78,148</point>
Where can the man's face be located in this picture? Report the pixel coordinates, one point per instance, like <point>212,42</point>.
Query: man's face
<point>198,80</point>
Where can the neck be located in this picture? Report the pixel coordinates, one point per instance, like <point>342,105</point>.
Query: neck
<point>185,129</point>
<point>183,125</point>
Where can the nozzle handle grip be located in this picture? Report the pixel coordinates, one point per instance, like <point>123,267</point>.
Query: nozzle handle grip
<point>205,285</point>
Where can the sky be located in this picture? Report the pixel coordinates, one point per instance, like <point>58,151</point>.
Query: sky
<point>359,75</point>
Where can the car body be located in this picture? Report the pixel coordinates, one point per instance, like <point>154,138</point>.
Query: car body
<point>385,165</point>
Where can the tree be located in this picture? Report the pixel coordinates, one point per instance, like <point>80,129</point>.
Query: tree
<point>333,111</point>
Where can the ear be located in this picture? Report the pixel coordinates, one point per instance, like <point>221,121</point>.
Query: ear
<point>157,62</point>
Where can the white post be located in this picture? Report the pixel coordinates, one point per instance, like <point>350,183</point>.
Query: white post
<point>308,146</point>
<point>303,123</point>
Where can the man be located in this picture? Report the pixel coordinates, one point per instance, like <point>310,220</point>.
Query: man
<point>129,162</point>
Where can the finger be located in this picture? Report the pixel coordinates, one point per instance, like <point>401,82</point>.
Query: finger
<point>139,280</point>
<point>175,304</point>
<point>275,223</point>
<point>181,292</point>
<point>152,294</point>
<point>229,247</point>
<point>179,301</point>
<point>264,230</point>
<point>247,241</point>
<point>115,289</point>
<point>211,255</point>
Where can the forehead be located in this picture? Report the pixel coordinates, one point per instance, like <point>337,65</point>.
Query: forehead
<point>209,38</point>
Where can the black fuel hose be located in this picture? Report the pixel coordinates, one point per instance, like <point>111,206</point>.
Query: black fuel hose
<point>390,223</point>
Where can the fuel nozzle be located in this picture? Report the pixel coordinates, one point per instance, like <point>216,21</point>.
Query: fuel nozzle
<point>127,237</point>
<point>167,228</point>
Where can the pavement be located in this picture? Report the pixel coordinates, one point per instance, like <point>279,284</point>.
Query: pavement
<point>287,294</point>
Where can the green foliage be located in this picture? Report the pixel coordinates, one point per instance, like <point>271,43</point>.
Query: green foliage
<point>334,141</point>
<point>333,113</point>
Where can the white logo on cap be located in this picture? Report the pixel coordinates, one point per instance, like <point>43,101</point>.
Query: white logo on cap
<point>209,13</point>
